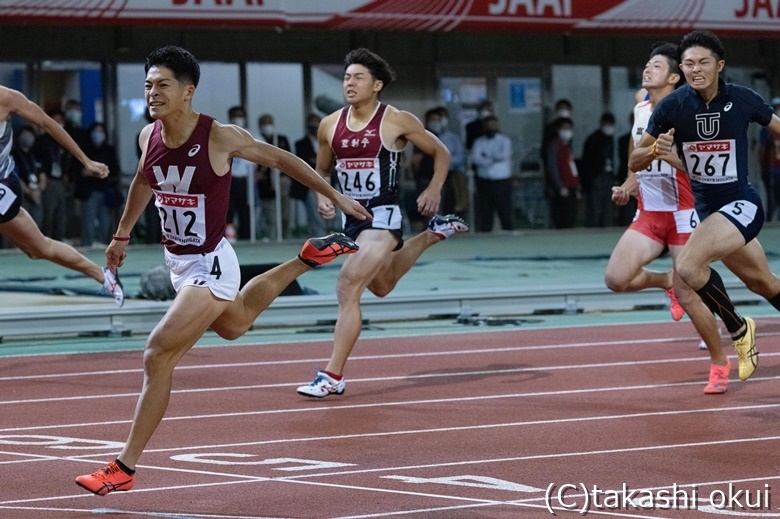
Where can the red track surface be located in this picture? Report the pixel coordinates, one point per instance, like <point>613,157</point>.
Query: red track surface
<point>473,425</point>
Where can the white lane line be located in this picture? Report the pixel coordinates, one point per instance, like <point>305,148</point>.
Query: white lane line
<point>441,430</point>
<point>83,495</point>
<point>381,404</point>
<point>526,502</point>
<point>113,511</point>
<point>449,374</point>
<point>561,455</point>
<point>627,342</point>
<point>417,511</point>
<point>269,340</point>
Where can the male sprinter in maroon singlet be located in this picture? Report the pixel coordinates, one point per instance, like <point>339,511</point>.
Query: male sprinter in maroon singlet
<point>185,164</point>
<point>366,140</point>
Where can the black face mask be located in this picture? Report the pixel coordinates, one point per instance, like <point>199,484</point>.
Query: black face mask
<point>490,133</point>
<point>312,129</point>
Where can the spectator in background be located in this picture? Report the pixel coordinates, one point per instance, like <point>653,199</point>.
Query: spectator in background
<point>491,156</point>
<point>597,173</point>
<point>56,186</point>
<point>476,128</point>
<point>625,213</point>
<point>72,169</point>
<point>99,196</point>
<point>243,172</point>
<point>562,176</point>
<point>74,121</point>
<point>28,168</point>
<point>306,148</point>
<point>266,181</point>
<point>456,193</point>
<point>563,110</point>
<point>769,153</point>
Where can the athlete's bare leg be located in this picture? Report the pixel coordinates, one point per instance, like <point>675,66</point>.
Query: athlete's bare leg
<point>358,271</point>
<point>702,317</point>
<point>750,265</point>
<point>715,238</point>
<point>401,261</point>
<point>25,235</point>
<point>189,316</point>
<point>625,271</point>
<point>258,293</point>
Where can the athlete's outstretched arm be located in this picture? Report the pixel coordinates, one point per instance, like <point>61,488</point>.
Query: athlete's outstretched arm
<point>15,101</point>
<point>138,196</point>
<point>414,131</point>
<point>248,148</point>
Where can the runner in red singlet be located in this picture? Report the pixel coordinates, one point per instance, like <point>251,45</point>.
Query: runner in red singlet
<point>185,164</point>
<point>665,218</point>
<point>365,140</point>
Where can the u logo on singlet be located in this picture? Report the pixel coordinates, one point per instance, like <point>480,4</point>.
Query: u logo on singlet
<point>708,126</point>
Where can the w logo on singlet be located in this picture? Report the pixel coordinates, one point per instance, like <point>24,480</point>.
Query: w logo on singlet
<point>708,126</point>
<point>173,182</point>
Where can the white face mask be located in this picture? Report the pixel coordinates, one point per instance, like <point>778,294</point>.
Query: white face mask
<point>565,135</point>
<point>98,138</point>
<point>435,126</point>
<point>445,123</point>
<point>238,121</point>
<point>566,114</point>
<point>26,141</point>
<point>608,130</point>
<point>485,113</point>
<point>74,116</point>
<point>267,129</point>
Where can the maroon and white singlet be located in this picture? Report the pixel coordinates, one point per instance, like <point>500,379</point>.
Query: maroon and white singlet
<point>190,197</point>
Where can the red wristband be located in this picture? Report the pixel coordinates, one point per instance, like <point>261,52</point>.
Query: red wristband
<point>121,238</point>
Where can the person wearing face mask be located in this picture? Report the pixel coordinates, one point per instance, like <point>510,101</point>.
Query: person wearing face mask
<point>597,173</point>
<point>476,128</point>
<point>28,168</point>
<point>456,193</point>
<point>243,172</point>
<point>769,157</point>
<point>301,196</point>
<point>491,156</point>
<point>561,110</point>
<point>55,185</point>
<point>267,179</point>
<point>98,196</point>
<point>74,125</point>
<point>562,176</point>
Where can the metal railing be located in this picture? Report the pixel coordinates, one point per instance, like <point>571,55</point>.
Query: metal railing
<point>142,316</point>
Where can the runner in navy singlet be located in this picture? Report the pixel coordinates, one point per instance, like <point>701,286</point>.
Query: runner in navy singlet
<point>708,120</point>
<point>364,140</point>
<point>665,219</point>
<point>185,164</point>
<point>16,224</point>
